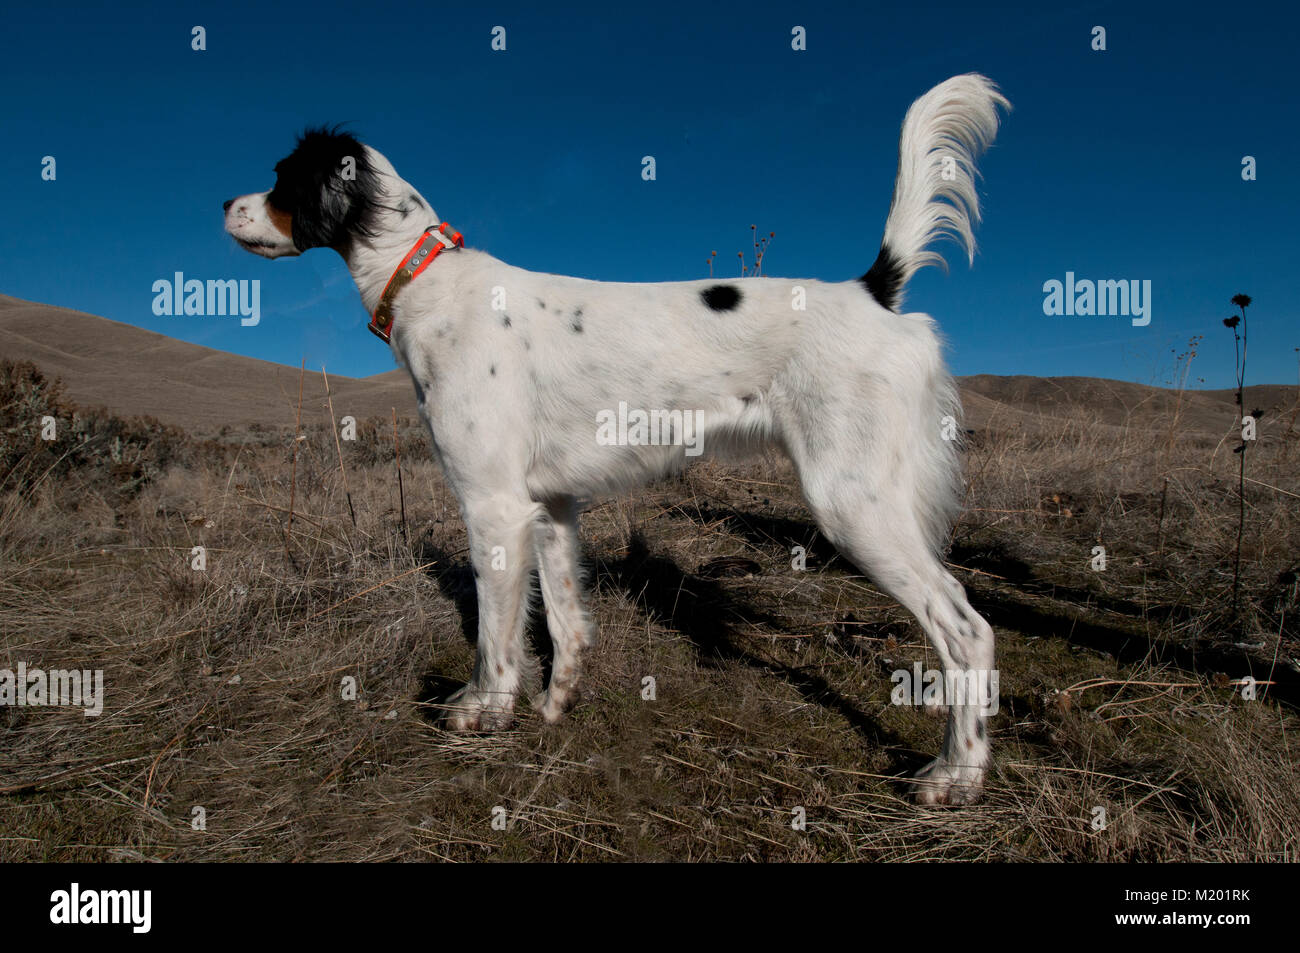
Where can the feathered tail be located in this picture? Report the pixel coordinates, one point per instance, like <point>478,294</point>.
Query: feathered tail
<point>934,193</point>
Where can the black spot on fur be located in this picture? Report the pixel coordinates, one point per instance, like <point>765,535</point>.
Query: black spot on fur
<point>577,327</point>
<point>505,321</point>
<point>884,280</point>
<point>980,731</point>
<point>493,370</point>
<point>541,304</point>
<point>577,312</point>
<point>721,297</point>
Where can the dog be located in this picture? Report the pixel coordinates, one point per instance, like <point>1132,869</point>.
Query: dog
<point>514,371</point>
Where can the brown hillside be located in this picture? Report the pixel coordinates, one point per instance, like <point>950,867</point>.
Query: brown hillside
<point>134,371</point>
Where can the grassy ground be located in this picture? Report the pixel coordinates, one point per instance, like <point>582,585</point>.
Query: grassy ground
<point>225,692</point>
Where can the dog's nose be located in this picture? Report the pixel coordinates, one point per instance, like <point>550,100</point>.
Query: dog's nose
<point>225,206</point>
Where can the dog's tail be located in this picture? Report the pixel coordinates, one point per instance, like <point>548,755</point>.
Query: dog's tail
<point>934,193</point>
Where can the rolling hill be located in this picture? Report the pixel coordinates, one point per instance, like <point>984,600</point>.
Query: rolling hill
<point>132,371</point>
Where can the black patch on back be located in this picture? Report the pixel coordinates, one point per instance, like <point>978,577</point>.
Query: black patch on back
<point>721,297</point>
<point>884,280</point>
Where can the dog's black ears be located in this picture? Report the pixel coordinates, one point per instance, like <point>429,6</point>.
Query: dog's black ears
<point>329,187</point>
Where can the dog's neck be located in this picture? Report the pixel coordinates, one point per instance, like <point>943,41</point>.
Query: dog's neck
<point>373,260</point>
<point>405,215</point>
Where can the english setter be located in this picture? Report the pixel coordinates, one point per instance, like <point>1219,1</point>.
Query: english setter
<point>518,374</point>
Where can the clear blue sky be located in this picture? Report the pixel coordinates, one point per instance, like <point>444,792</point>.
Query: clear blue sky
<point>1117,164</point>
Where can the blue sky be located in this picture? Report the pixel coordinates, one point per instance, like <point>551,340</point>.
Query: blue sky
<point>1122,164</point>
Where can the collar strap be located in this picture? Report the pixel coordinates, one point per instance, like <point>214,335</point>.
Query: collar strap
<point>421,255</point>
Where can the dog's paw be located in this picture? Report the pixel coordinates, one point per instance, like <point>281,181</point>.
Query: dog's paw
<point>472,709</point>
<point>942,783</point>
<point>553,705</point>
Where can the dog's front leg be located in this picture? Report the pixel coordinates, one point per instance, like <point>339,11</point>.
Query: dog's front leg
<point>566,617</point>
<point>501,550</point>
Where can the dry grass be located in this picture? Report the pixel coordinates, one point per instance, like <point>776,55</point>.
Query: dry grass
<point>224,686</point>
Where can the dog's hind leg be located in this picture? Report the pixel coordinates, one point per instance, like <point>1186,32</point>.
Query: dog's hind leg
<point>502,552</point>
<point>872,516</point>
<point>880,537</point>
<point>566,616</point>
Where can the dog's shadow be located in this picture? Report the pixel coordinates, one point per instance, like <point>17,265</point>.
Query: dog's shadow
<point>765,532</point>
<point>703,611</point>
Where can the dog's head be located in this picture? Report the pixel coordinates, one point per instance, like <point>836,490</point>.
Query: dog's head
<point>327,191</point>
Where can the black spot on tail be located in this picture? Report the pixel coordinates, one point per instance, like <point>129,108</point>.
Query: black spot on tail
<point>884,280</point>
<point>721,297</point>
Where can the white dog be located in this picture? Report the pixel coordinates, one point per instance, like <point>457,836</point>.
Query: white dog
<point>519,374</point>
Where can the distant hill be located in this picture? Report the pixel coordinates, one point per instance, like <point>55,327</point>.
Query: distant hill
<point>990,401</point>
<point>134,371</point>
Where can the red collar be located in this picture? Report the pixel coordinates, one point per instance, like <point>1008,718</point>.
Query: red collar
<point>421,255</point>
